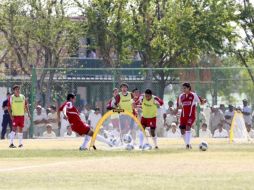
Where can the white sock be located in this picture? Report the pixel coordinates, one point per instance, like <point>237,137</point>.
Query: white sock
<point>188,137</point>
<point>141,138</point>
<point>184,138</point>
<point>20,136</point>
<point>12,136</point>
<point>85,142</point>
<point>155,140</point>
<point>102,139</point>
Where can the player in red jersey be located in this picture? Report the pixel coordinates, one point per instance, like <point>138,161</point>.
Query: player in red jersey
<point>72,115</point>
<point>187,101</point>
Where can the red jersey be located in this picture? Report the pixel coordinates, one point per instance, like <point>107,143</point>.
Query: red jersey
<point>188,102</point>
<point>71,112</point>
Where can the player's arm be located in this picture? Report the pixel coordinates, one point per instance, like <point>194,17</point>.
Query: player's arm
<point>64,112</point>
<point>158,101</point>
<point>115,101</point>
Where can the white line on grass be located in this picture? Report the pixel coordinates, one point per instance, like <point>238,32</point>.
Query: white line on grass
<point>31,167</point>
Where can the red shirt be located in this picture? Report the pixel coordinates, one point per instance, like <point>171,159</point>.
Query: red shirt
<point>71,112</point>
<point>188,102</point>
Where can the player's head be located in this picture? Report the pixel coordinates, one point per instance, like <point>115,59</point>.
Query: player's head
<point>16,90</point>
<point>148,94</point>
<point>186,87</point>
<point>124,87</point>
<point>71,97</point>
<point>245,102</point>
<point>115,91</point>
<point>135,92</point>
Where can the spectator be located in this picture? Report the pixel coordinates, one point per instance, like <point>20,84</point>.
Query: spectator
<point>170,115</point>
<point>94,117</point>
<point>220,132</point>
<point>52,119</point>
<point>87,111</point>
<point>222,108</point>
<point>39,119</point>
<point>250,131</point>
<point>204,132</point>
<point>49,133</point>
<point>64,124</point>
<point>26,127</point>
<point>246,112</point>
<point>6,117</point>
<point>229,114</point>
<point>173,131</point>
<point>69,133</point>
<point>201,118</point>
<point>216,118</point>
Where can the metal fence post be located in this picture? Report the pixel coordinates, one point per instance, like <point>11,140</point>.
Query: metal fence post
<point>33,91</point>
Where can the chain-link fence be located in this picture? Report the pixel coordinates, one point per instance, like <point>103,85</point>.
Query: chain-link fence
<point>93,86</point>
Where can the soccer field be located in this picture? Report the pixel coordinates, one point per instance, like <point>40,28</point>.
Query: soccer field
<point>57,164</point>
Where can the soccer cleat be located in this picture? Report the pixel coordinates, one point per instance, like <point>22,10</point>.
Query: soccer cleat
<point>156,147</point>
<point>94,147</point>
<point>12,146</point>
<point>188,146</point>
<point>20,146</point>
<point>82,149</point>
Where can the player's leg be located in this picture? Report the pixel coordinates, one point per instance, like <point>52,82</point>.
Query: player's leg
<point>4,126</point>
<point>99,138</point>
<point>20,124</point>
<point>152,124</point>
<point>13,132</point>
<point>188,132</point>
<point>141,134</point>
<point>20,136</point>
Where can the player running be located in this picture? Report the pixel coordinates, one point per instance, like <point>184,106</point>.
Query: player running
<point>17,105</point>
<point>187,101</point>
<point>72,115</point>
<point>149,104</point>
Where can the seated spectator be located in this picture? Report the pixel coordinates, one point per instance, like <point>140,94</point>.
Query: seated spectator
<point>170,116</point>
<point>173,131</point>
<point>229,114</point>
<point>216,118</point>
<point>49,133</point>
<point>39,119</point>
<point>52,119</point>
<point>220,132</point>
<point>204,132</point>
<point>69,133</point>
<point>250,131</point>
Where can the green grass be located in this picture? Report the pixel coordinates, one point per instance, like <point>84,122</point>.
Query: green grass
<point>57,164</point>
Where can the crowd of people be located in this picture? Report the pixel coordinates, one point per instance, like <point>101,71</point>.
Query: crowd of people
<point>214,121</point>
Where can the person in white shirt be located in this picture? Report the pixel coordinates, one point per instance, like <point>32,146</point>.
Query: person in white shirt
<point>229,114</point>
<point>246,112</point>
<point>69,133</point>
<point>216,118</point>
<point>49,133</point>
<point>250,131</point>
<point>52,119</point>
<point>220,132</point>
<point>94,117</point>
<point>64,124</point>
<point>173,132</point>
<point>40,120</point>
<point>204,132</point>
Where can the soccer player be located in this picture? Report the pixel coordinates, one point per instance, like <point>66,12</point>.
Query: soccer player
<point>17,105</point>
<point>124,101</point>
<point>187,101</point>
<point>72,115</point>
<point>149,105</point>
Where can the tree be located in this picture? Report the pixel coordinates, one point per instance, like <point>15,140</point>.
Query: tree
<point>39,33</point>
<point>176,33</point>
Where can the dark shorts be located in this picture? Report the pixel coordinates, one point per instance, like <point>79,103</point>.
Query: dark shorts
<point>148,122</point>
